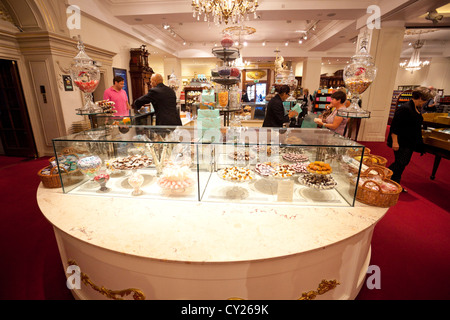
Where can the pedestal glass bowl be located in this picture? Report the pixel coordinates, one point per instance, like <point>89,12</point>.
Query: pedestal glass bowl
<point>358,76</point>
<point>86,77</point>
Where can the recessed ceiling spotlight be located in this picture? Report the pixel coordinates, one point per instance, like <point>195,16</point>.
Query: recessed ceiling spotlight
<point>286,43</point>
<point>300,41</point>
<point>264,44</point>
<point>245,43</point>
<point>236,43</point>
<point>305,37</point>
<point>166,26</point>
<point>184,43</point>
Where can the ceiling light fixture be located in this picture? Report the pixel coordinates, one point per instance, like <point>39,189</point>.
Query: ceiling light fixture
<point>169,29</point>
<point>264,44</point>
<point>224,11</point>
<point>415,63</point>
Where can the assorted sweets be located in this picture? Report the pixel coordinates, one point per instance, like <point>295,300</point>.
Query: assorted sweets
<point>358,86</point>
<point>102,178</point>
<point>295,157</point>
<point>132,162</point>
<point>236,174</point>
<point>107,106</point>
<point>274,169</point>
<point>176,178</point>
<point>241,155</point>
<point>89,165</point>
<point>319,167</point>
<point>376,183</point>
<point>316,181</point>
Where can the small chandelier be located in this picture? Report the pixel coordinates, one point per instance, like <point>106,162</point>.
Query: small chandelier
<point>224,11</point>
<point>414,63</point>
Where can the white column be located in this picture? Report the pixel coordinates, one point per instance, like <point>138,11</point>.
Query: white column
<point>385,48</point>
<point>311,74</point>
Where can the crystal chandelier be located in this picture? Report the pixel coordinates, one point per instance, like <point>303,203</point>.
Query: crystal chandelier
<point>414,63</point>
<point>224,11</point>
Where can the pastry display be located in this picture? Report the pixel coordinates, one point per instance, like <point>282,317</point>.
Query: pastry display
<point>236,174</point>
<point>132,162</point>
<point>107,106</point>
<point>295,157</point>
<point>319,167</point>
<point>241,155</point>
<point>89,165</point>
<point>275,170</point>
<point>176,178</point>
<point>322,182</point>
<point>268,149</point>
<point>299,167</point>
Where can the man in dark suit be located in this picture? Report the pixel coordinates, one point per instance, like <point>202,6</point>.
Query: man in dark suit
<point>275,115</point>
<point>164,102</point>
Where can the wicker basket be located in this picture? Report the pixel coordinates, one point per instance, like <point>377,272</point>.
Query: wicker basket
<point>377,197</point>
<point>387,173</point>
<point>352,153</point>
<point>371,159</point>
<point>53,180</point>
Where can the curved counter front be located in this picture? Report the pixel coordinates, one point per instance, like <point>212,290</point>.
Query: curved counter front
<point>135,248</point>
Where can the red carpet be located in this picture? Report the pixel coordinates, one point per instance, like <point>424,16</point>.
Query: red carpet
<point>411,244</point>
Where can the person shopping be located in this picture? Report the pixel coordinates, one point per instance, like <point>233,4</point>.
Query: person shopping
<point>117,95</point>
<point>164,101</point>
<point>275,114</point>
<point>333,121</point>
<point>405,133</point>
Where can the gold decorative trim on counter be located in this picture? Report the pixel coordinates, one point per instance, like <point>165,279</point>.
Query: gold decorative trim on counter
<point>324,287</point>
<point>111,294</point>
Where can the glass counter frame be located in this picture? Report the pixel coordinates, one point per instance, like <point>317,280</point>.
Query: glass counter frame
<point>206,151</point>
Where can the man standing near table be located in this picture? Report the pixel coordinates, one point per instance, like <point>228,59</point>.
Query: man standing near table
<point>164,101</point>
<point>117,95</point>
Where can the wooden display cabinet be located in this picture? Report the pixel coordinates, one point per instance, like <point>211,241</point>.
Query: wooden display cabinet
<point>140,71</point>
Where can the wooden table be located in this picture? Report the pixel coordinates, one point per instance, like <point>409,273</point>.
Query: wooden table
<point>439,153</point>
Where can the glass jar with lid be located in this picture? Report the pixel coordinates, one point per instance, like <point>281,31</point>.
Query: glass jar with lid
<point>358,76</point>
<point>86,76</point>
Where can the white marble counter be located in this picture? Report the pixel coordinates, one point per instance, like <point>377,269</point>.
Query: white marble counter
<point>200,231</point>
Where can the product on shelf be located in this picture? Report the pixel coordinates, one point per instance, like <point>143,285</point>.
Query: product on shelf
<point>323,182</point>
<point>269,150</point>
<point>236,174</point>
<point>176,178</point>
<point>295,157</point>
<point>357,85</point>
<point>319,167</point>
<point>132,162</point>
<point>107,106</point>
<point>89,165</point>
<point>227,41</point>
<point>241,155</point>
<point>376,183</point>
<point>299,167</point>
<point>273,169</point>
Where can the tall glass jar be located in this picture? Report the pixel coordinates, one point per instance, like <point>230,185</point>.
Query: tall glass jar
<point>358,76</point>
<point>86,77</point>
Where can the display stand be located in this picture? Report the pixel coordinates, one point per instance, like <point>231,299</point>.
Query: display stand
<point>227,55</point>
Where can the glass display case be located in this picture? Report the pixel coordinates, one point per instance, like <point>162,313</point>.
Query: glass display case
<point>305,167</point>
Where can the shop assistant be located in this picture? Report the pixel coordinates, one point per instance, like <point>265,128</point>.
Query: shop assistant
<point>275,115</point>
<point>164,101</point>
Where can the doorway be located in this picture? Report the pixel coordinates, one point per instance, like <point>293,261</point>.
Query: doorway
<point>16,135</point>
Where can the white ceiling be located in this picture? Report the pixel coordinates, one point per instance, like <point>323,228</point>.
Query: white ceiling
<point>337,24</point>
